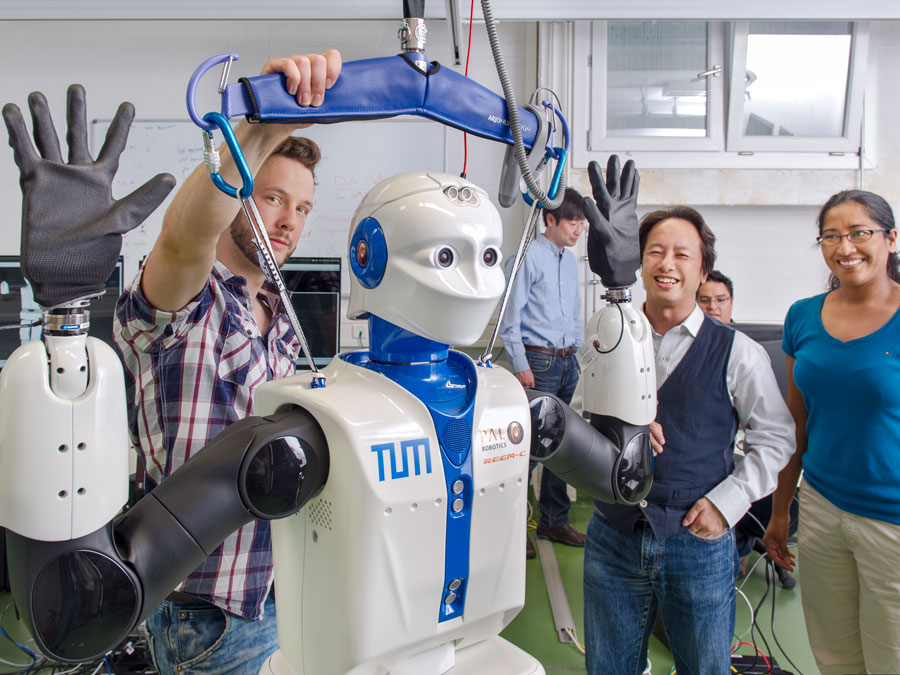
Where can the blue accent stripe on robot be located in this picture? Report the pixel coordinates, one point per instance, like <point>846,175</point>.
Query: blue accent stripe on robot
<point>460,493</point>
<point>447,389</point>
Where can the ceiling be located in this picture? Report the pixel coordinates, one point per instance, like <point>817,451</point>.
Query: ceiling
<point>502,9</point>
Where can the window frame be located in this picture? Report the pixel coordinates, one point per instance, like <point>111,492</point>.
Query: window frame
<point>714,139</point>
<point>586,77</point>
<point>848,141</point>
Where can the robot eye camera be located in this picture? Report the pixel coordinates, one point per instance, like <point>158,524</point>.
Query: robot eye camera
<point>607,458</point>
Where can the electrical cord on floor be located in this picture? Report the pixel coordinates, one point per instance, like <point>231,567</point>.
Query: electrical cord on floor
<point>758,652</point>
<point>34,657</point>
<point>132,656</point>
<point>753,614</point>
<point>580,647</point>
<point>771,576</point>
<point>750,607</point>
<point>772,624</point>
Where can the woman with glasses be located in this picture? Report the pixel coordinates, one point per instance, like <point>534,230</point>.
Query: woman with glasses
<point>843,362</point>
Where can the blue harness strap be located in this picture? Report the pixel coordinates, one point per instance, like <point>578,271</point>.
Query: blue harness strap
<point>384,87</point>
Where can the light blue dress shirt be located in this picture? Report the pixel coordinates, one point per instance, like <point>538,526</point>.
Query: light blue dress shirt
<point>544,308</point>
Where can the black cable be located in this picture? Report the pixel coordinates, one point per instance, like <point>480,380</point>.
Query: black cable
<point>753,625</point>
<point>772,625</point>
<point>621,327</point>
<point>753,613</point>
<point>770,583</point>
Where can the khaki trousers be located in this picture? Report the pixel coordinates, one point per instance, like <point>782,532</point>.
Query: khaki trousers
<point>850,581</point>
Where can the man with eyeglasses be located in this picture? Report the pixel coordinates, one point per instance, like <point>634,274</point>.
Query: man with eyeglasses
<point>716,299</point>
<point>716,296</point>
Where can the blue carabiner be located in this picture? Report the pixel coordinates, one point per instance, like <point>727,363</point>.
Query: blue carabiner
<point>192,87</point>
<point>214,120</point>
<point>551,151</point>
<point>560,165</point>
<point>560,155</point>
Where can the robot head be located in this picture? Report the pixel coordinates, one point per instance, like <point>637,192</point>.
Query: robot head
<point>425,256</point>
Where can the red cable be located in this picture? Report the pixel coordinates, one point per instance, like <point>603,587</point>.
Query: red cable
<point>468,53</point>
<point>759,651</point>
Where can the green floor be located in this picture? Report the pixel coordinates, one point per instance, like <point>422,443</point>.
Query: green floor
<point>533,628</point>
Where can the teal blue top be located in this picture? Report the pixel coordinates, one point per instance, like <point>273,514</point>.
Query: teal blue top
<point>852,394</point>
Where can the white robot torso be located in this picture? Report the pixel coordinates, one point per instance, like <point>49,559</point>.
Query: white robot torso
<point>416,541</point>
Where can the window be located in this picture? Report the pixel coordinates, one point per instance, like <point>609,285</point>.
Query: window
<point>660,91</point>
<point>718,90</point>
<point>793,86</point>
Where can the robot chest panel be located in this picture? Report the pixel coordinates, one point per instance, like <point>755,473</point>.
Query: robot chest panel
<point>387,439</point>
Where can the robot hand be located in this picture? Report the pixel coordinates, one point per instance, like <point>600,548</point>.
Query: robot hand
<point>613,250</point>
<point>79,598</point>
<point>71,226</point>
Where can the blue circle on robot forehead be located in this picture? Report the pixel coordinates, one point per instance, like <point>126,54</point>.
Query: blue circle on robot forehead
<point>368,268</point>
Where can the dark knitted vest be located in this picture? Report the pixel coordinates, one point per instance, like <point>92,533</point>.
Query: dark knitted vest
<point>699,424</point>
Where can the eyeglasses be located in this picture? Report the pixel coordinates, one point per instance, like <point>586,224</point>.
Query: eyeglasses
<point>706,300</point>
<point>855,237</point>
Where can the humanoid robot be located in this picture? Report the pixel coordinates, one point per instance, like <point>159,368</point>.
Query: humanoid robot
<point>409,559</point>
<point>411,462</point>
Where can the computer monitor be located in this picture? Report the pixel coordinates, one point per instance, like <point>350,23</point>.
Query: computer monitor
<point>315,288</point>
<point>18,308</point>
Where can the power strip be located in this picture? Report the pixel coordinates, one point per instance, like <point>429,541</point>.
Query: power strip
<point>748,664</point>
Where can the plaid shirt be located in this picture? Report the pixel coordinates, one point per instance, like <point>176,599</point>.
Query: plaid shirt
<point>189,374</point>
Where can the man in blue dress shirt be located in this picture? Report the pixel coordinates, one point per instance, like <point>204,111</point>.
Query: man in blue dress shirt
<point>541,331</point>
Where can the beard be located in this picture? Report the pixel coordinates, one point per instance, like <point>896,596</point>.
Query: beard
<point>242,236</point>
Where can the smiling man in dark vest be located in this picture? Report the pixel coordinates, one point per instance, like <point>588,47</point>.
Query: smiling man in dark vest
<point>676,551</point>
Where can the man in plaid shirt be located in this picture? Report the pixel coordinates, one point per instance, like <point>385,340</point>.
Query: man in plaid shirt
<point>198,331</point>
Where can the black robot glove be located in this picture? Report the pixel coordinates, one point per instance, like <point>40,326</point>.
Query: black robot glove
<point>71,226</point>
<point>613,250</point>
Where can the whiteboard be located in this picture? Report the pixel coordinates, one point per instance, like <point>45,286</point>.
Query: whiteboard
<point>355,157</point>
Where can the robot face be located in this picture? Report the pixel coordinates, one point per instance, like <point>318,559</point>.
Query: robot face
<point>425,256</point>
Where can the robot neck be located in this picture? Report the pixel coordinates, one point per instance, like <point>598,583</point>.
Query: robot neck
<point>390,344</point>
<point>444,381</point>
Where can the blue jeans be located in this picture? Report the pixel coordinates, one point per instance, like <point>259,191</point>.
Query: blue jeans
<point>628,576</point>
<point>201,638</point>
<point>558,376</point>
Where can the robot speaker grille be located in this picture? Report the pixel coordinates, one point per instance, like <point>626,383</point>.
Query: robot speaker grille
<point>320,513</point>
<point>456,436</point>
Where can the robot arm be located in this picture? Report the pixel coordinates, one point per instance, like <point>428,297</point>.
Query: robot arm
<point>609,458</point>
<point>81,597</point>
<point>610,461</point>
<point>81,577</point>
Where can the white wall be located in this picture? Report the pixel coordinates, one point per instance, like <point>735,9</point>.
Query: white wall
<point>764,241</point>
<point>764,220</point>
<point>149,63</point>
